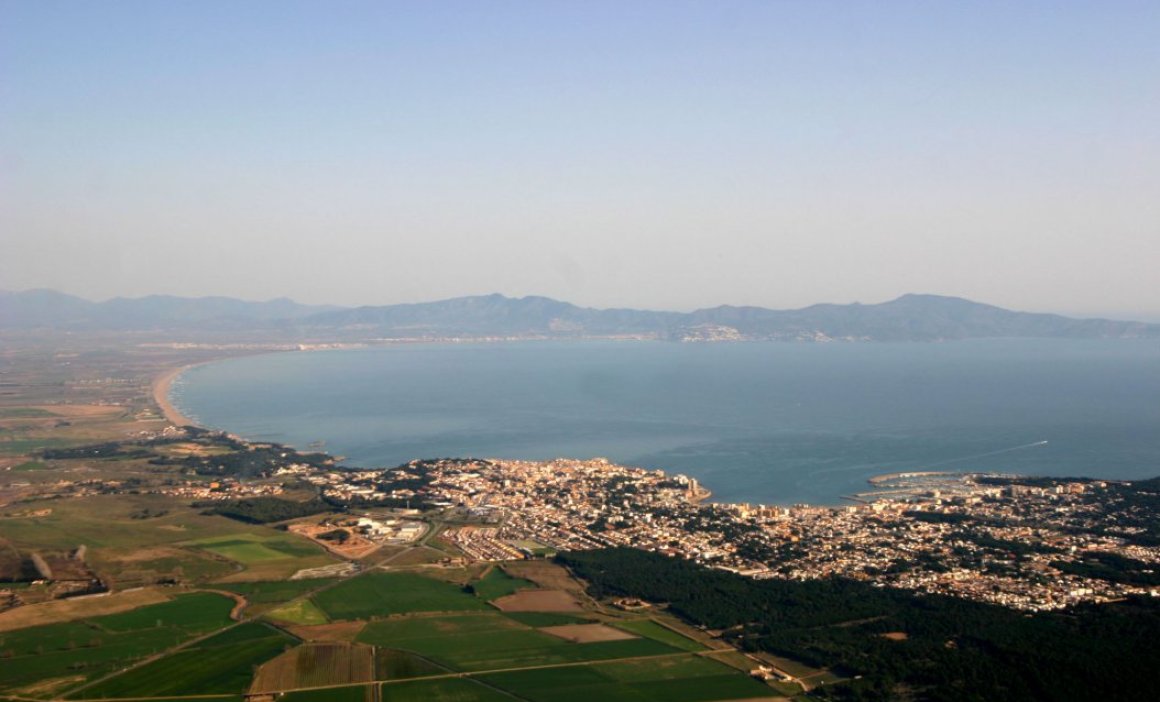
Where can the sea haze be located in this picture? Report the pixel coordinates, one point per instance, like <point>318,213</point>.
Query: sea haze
<point>775,423</point>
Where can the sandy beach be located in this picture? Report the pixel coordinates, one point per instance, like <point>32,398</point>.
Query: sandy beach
<point>161,385</point>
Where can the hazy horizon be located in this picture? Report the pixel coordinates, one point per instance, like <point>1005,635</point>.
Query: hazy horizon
<point>1111,316</point>
<point>652,155</point>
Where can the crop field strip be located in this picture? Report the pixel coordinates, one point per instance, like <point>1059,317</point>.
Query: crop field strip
<point>222,663</point>
<point>316,665</point>
<point>302,612</point>
<point>492,641</point>
<point>82,650</point>
<point>355,693</point>
<point>378,593</point>
<point>173,674</point>
<point>682,677</point>
<point>449,690</point>
<point>658,632</point>
<point>247,548</point>
<point>439,641</point>
<point>688,678</point>
<point>138,551</point>
<point>496,583</point>
<point>276,591</point>
<point>542,619</point>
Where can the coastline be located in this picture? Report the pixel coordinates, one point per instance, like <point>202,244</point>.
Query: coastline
<point>163,382</point>
<point>161,386</point>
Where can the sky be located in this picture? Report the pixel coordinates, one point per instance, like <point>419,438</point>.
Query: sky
<point>629,153</point>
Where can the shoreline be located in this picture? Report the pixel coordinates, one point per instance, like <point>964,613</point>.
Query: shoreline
<point>161,386</point>
<point>163,383</point>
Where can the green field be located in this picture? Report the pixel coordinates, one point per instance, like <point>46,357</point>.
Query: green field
<point>441,691</point>
<point>379,594</point>
<point>299,612</point>
<point>199,611</point>
<point>490,641</point>
<point>656,632</point>
<point>539,619</point>
<point>86,649</point>
<point>215,698</point>
<point>248,631</point>
<point>497,583</point>
<point>294,546</point>
<point>116,535</point>
<point>25,412</point>
<point>354,693</point>
<point>273,592</point>
<point>685,679</point>
<point>192,565</point>
<point>242,550</point>
<point>106,522</point>
<point>30,466</point>
<point>391,664</point>
<point>20,447</point>
<point>223,663</point>
<point>268,555</point>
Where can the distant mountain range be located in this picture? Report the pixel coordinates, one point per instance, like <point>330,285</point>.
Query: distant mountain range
<point>908,318</point>
<point>33,309</point>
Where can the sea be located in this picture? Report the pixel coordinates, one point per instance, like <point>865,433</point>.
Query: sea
<point>765,423</point>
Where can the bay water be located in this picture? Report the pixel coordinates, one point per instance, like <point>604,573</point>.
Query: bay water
<point>772,423</point>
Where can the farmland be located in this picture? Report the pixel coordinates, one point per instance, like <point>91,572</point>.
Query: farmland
<point>220,664</point>
<point>491,641</point>
<point>391,664</point>
<point>542,619</point>
<point>335,631</point>
<point>243,551</point>
<point>442,691</point>
<point>686,679</point>
<point>379,594</point>
<point>277,591</point>
<point>302,612</point>
<point>414,623</point>
<point>316,665</point>
<point>141,539</point>
<point>356,693</point>
<point>649,628</point>
<point>496,583</point>
<point>410,632</point>
<point>80,650</point>
<point>587,633</point>
<point>264,554</point>
<point>539,601</point>
<point>74,608</point>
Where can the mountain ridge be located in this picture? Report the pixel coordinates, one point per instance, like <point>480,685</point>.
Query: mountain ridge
<point>910,317</point>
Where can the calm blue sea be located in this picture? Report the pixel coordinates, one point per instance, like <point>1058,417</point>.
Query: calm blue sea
<point>755,422</point>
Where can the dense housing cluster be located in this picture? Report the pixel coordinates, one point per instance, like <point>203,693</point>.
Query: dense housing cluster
<point>987,538</point>
<point>1027,543</point>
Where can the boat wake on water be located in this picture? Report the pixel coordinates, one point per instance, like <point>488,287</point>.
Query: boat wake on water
<point>987,454</point>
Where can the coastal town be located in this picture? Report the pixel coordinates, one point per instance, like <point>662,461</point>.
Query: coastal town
<point>1029,544</point>
<point>993,539</point>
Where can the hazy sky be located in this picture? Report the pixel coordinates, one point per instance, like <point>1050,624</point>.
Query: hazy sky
<point>627,153</point>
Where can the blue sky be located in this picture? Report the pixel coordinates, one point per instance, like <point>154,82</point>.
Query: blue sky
<point>649,154</point>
